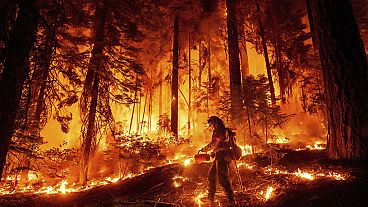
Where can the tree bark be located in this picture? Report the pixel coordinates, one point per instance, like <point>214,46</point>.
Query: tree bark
<point>91,132</point>
<point>280,69</point>
<point>311,24</point>
<point>189,84</point>
<point>41,79</point>
<point>160,93</point>
<point>234,63</point>
<point>209,74</point>
<point>92,91</point>
<point>175,79</point>
<point>200,68</point>
<point>38,87</point>
<point>8,13</point>
<point>243,50</point>
<point>15,71</point>
<point>267,60</point>
<point>344,68</point>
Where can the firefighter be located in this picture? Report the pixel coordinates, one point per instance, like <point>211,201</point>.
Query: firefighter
<point>220,144</point>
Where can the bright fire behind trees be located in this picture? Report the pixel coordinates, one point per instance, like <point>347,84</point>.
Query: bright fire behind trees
<point>101,97</point>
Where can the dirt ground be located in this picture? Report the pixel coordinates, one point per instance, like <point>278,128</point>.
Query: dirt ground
<point>333,184</point>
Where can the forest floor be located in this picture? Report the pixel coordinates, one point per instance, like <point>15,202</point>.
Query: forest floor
<point>301,178</point>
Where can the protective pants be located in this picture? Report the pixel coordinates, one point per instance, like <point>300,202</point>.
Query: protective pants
<point>220,169</point>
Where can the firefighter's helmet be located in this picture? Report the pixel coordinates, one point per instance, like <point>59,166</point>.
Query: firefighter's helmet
<point>214,120</point>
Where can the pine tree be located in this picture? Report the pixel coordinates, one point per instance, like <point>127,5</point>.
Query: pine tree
<point>112,74</point>
<point>344,67</point>
<point>19,45</point>
<point>234,63</point>
<point>7,20</point>
<point>174,81</point>
<point>286,33</point>
<point>266,56</point>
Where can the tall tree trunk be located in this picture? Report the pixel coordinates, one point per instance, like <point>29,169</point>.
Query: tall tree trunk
<point>15,71</point>
<point>280,68</point>
<point>160,94</point>
<point>144,112</point>
<point>200,67</point>
<point>267,60</point>
<point>93,76</point>
<point>311,24</point>
<point>175,79</point>
<point>344,67</point>
<point>189,84</point>
<point>243,50</point>
<point>134,103</point>
<point>250,130</point>
<point>41,79</point>
<point>150,112</point>
<point>91,132</point>
<point>8,13</point>
<point>209,75</point>
<point>139,104</point>
<point>37,93</point>
<point>234,63</point>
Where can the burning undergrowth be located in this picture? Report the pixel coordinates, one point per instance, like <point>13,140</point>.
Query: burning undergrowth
<point>262,177</point>
<point>255,182</point>
<point>57,170</point>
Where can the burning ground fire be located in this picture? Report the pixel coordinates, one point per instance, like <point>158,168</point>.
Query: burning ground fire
<point>265,192</point>
<point>306,175</point>
<point>64,187</point>
<point>268,194</point>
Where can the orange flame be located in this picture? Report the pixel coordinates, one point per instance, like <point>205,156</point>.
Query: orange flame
<point>268,194</point>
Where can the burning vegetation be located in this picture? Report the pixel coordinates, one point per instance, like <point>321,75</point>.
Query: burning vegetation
<point>105,102</point>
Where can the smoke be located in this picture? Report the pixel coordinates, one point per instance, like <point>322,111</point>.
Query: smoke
<point>303,128</point>
<point>55,137</point>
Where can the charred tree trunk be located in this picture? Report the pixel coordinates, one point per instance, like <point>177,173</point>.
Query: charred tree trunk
<point>15,71</point>
<point>139,104</point>
<point>40,104</point>
<point>250,130</point>
<point>200,67</point>
<point>267,60</point>
<point>91,89</point>
<point>234,63</point>
<point>144,112</point>
<point>280,69</point>
<point>35,123</point>
<point>41,77</point>
<point>209,75</point>
<point>134,103</point>
<point>311,24</point>
<point>8,13</point>
<point>243,50</point>
<point>175,79</point>
<point>189,84</point>
<point>344,67</point>
<point>160,94</point>
<point>150,112</point>
<point>91,132</point>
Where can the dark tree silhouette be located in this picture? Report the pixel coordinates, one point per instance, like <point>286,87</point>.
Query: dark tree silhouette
<point>20,42</point>
<point>234,63</point>
<point>344,68</point>
<point>91,87</point>
<point>175,80</point>
<point>265,54</point>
